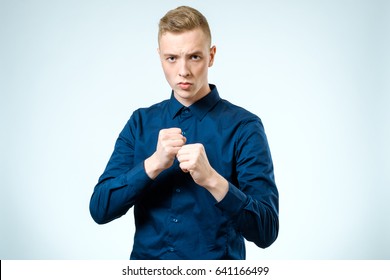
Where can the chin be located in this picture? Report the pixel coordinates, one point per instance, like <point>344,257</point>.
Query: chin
<point>184,93</point>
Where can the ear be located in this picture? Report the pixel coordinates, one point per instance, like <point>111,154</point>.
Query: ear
<point>213,51</point>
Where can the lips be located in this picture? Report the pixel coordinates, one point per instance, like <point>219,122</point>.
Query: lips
<point>184,85</point>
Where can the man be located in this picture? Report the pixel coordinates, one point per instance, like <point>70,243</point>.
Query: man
<point>196,168</point>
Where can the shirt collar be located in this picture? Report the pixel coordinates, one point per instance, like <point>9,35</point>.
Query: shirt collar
<point>200,108</point>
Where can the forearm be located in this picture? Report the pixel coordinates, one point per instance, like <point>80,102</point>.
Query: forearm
<point>217,185</point>
<point>254,202</point>
<point>256,219</point>
<point>259,223</point>
<point>113,197</point>
<point>153,167</point>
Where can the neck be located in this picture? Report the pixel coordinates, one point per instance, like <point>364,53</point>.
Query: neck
<point>191,100</point>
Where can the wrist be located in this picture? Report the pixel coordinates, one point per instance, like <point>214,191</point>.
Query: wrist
<point>218,186</point>
<point>152,167</point>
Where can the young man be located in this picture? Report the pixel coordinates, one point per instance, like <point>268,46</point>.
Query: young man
<point>196,168</point>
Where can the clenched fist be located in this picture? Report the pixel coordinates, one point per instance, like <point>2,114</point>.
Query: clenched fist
<point>193,159</point>
<point>169,142</point>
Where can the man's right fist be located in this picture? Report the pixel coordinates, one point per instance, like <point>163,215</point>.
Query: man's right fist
<point>169,142</point>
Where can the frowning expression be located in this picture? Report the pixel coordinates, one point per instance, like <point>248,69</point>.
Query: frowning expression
<point>185,59</point>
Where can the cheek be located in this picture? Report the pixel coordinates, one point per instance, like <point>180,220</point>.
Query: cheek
<point>202,70</point>
<point>168,72</point>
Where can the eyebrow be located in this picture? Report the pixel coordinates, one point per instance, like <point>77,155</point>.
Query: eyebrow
<point>196,53</point>
<point>168,54</point>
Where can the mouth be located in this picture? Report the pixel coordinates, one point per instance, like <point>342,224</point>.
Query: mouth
<point>184,85</point>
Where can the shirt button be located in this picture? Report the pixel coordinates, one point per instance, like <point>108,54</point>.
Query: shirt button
<point>175,220</point>
<point>171,249</point>
<point>178,190</point>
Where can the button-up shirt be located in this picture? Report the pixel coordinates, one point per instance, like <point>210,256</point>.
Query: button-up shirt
<point>174,217</point>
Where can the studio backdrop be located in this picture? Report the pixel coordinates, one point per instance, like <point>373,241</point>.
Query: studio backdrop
<point>316,73</point>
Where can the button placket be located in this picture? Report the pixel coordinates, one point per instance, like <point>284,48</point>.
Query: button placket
<point>185,120</point>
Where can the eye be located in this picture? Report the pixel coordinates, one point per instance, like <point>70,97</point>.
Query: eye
<point>171,59</point>
<point>195,57</point>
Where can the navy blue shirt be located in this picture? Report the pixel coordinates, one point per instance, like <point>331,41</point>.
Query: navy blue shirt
<point>174,217</point>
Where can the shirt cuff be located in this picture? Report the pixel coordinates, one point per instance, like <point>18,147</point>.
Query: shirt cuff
<point>233,202</point>
<point>137,177</point>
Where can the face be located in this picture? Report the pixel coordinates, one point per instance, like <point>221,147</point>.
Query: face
<point>185,59</point>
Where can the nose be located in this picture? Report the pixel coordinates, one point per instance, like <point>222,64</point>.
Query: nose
<point>184,70</point>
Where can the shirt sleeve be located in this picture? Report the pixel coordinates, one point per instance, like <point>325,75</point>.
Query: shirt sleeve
<point>121,182</point>
<point>253,203</point>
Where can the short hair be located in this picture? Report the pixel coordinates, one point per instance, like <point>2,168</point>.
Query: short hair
<point>183,19</point>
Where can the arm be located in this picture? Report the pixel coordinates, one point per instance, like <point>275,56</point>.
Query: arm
<point>253,204</point>
<point>121,181</point>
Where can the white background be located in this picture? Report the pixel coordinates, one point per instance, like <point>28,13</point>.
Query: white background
<point>316,72</point>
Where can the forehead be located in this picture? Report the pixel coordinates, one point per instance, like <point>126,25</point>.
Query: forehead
<point>184,40</point>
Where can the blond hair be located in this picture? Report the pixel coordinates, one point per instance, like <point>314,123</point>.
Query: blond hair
<point>183,19</point>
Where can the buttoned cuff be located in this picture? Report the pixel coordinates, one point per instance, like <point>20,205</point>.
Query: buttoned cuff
<point>233,202</point>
